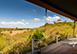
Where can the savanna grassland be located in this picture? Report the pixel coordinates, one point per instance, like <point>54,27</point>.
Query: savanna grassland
<point>18,41</point>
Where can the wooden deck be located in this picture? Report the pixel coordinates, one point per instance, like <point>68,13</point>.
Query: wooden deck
<point>62,47</point>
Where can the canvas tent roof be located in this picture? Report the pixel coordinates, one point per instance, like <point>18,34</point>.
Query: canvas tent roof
<point>66,8</point>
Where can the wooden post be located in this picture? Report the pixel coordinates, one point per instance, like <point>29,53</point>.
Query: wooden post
<point>57,39</point>
<point>32,45</point>
<point>67,35</point>
<point>39,49</point>
<point>74,29</point>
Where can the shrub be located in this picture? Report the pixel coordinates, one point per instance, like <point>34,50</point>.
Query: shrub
<point>10,31</point>
<point>38,34</point>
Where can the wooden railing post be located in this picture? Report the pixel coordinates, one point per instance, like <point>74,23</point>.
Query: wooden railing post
<point>67,35</point>
<point>39,49</point>
<point>57,38</point>
<point>32,45</point>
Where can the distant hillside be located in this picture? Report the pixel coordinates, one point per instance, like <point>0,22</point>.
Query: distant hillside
<point>61,28</point>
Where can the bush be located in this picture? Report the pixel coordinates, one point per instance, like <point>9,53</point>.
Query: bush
<point>11,31</point>
<point>38,34</point>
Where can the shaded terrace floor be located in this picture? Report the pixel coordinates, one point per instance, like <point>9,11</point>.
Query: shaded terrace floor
<point>62,47</point>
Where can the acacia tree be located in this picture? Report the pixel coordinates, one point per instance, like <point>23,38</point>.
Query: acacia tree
<point>38,34</point>
<point>16,28</point>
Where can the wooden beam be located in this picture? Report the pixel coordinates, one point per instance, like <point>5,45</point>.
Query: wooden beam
<point>44,5</point>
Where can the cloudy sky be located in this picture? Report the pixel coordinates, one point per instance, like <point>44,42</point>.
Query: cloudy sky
<point>22,14</point>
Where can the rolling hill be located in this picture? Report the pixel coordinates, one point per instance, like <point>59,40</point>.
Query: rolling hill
<point>20,43</point>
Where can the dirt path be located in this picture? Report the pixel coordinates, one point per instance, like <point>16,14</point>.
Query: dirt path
<point>14,32</point>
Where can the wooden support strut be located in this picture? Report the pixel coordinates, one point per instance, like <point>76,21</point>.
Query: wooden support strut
<point>74,29</point>
<point>45,15</point>
<point>32,45</point>
<point>57,39</point>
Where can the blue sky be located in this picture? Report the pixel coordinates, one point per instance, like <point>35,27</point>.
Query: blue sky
<point>22,14</point>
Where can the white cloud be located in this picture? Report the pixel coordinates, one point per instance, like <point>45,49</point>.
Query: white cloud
<point>12,23</point>
<point>27,23</point>
<point>34,10</point>
<point>23,20</point>
<point>49,18</point>
<point>36,19</point>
